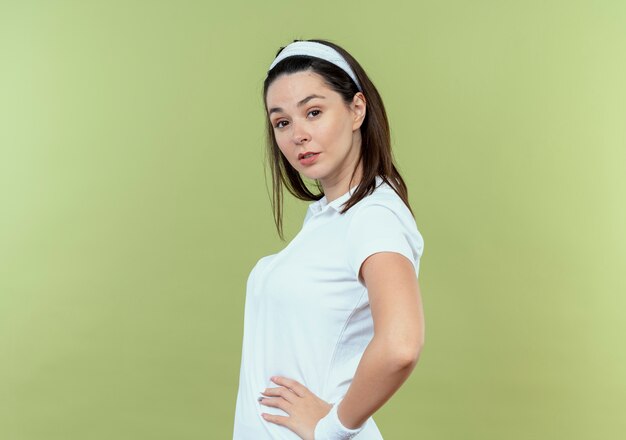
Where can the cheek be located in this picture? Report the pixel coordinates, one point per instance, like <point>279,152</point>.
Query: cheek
<point>280,141</point>
<point>337,129</point>
<point>282,146</point>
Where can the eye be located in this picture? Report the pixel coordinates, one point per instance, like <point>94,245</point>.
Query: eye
<point>317,112</point>
<point>277,125</point>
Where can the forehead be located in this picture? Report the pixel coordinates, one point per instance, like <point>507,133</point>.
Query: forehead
<point>290,88</point>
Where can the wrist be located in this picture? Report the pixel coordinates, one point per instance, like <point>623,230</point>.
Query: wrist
<point>331,428</point>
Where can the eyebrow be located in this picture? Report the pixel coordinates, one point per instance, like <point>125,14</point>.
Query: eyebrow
<point>299,104</point>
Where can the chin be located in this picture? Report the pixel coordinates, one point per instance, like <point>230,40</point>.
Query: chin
<point>312,175</point>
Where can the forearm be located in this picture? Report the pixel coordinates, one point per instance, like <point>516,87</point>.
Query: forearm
<point>379,375</point>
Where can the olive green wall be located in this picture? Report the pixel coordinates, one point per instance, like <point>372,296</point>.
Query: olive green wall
<point>133,205</point>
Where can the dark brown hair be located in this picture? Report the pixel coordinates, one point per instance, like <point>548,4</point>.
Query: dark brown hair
<point>375,154</point>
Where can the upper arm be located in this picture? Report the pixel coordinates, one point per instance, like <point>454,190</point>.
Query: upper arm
<point>384,250</point>
<point>395,301</point>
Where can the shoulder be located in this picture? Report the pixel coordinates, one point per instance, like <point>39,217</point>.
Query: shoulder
<point>381,222</point>
<point>382,200</point>
<point>381,215</point>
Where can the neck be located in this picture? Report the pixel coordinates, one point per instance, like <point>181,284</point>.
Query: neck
<point>342,184</point>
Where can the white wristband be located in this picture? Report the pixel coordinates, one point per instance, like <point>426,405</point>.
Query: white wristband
<point>331,428</point>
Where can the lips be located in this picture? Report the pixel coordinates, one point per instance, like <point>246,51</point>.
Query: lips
<point>301,155</point>
<point>310,159</point>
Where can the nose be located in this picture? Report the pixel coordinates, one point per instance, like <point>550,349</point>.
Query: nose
<point>300,135</point>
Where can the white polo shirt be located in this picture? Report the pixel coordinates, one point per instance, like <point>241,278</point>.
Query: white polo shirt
<point>307,316</point>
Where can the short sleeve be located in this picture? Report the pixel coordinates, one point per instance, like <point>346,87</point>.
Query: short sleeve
<point>381,228</point>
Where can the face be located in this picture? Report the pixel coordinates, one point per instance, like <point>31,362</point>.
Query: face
<point>309,117</point>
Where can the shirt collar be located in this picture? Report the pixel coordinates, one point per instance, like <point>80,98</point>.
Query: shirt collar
<point>322,204</point>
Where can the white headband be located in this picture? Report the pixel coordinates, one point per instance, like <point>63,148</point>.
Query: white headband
<point>317,50</point>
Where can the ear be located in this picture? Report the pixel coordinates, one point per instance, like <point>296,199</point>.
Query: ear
<point>359,108</point>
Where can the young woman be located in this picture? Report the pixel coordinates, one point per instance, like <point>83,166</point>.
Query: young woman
<point>333,323</point>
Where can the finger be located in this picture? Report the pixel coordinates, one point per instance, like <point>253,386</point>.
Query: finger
<point>292,384</point>
<point>277,402</point>
<point>279,420</point>
<point>283,392</point>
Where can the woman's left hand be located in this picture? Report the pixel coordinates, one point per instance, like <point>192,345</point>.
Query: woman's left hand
<point>305,409</point>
